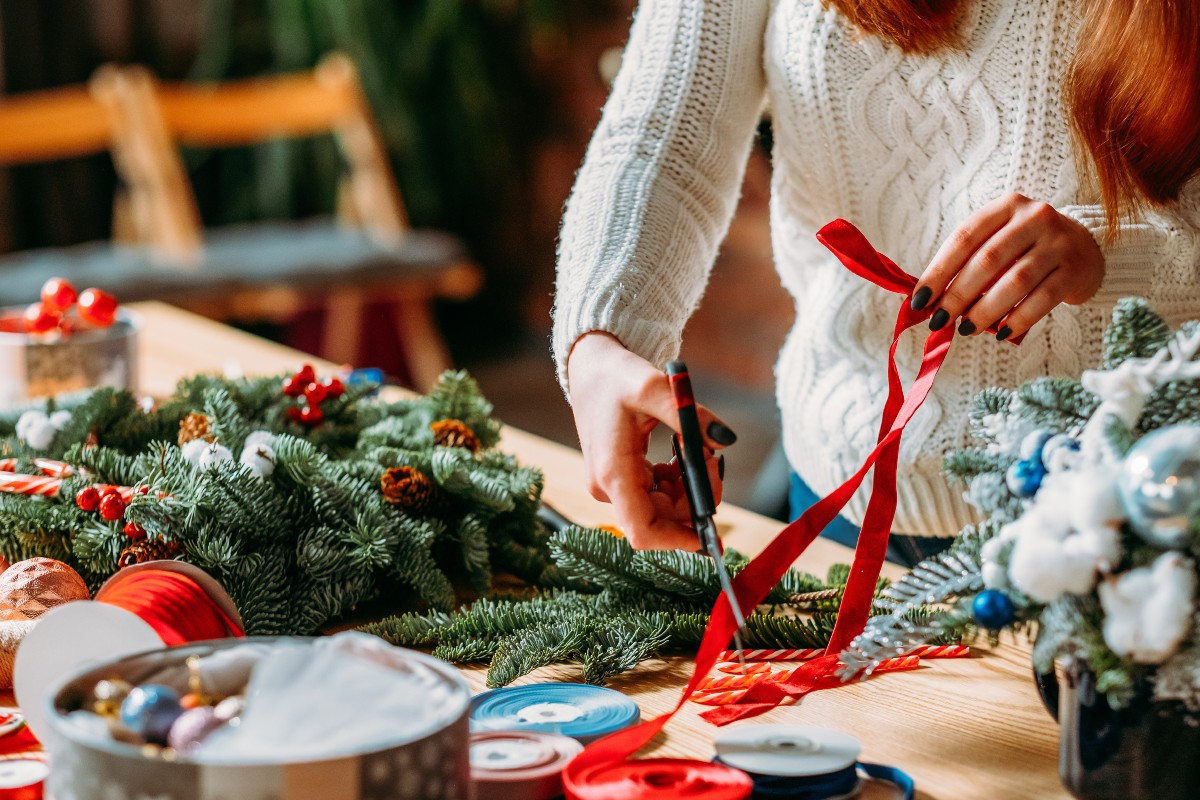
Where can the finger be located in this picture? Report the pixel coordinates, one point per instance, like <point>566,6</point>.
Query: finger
<point>666,472</point>
<point>715,475</point>
<point>1040,302</point>
<point>649,528</point>
<point>982,269</point>
<point>1029,271</point>
<point>716,433</point>
<point>957,248</point>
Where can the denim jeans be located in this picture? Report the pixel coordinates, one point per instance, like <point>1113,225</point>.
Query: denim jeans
<point>902,549</point>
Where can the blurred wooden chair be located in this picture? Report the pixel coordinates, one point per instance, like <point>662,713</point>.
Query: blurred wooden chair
<point>70,122</point>
<point>273,269</point>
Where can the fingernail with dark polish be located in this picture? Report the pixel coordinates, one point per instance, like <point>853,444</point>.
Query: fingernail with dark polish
<point>966,328</point>
<point>939,320</point>
<point>1003,333</point>
<point>721,466</point>
<point>720,434</point>
<point>920,298</point>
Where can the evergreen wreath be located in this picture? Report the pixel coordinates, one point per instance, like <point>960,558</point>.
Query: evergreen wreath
<point>1090,495</point>
<point>301,528</point>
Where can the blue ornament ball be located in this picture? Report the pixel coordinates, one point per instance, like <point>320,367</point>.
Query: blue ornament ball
<point>1159,484</point>
<point>1033,445</point>
<point>1025,477</point>
<point>993,609</point>
<point>150,710</point>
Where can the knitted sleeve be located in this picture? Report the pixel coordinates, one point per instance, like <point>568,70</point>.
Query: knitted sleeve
<point>1159,252</point>
<point>661,179</point>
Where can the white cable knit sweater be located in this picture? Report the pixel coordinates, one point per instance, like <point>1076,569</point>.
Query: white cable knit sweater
<point>903,146</point>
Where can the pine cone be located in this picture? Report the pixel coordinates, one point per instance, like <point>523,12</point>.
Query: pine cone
<point>140,552</point>
<point>193,426</point>
<point>452,433</point>
<point>411,490</point>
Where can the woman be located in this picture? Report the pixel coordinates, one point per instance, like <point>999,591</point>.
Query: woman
<point>1029,159</point>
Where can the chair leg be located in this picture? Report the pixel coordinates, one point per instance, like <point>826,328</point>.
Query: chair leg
<point>343,325</point>
<point>421,343</point>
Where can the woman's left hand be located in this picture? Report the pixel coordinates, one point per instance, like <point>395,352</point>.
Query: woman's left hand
<point>1009,264</point>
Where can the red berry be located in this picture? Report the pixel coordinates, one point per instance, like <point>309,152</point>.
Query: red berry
<point>58,295</point>
<point>112,507</point>
<point>134,531</point>
<point>311,415</point>
<point>97,307</point>
<point>294,414</point>
<point>306,375</point>
<point>315,394</point>
<point>109,491</point>
<point>334,387</point>
<point>143,489</point>
<point>39,319</point>
<point>293,387</point>
<point>88,498</point>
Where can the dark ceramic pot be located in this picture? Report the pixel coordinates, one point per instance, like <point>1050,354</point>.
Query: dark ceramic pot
<point>1148,750</point>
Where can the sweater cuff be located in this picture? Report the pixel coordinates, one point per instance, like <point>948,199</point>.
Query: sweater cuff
<point>1130,259</point>
<point>654,340</point>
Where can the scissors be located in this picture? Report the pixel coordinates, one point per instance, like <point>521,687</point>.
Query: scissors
<point>689,453</point>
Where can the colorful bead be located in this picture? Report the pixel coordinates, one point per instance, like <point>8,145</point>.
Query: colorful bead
<point>150,710</point>
<point>88,499</point>
<point>107,696</point>
<point>112,507</point>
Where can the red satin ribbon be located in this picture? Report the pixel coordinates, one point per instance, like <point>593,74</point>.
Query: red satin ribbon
<point>754,582</point>
<point>175,605</point>
<point>661,779</point>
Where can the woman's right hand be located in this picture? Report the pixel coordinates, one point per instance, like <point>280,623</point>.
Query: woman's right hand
<point>618,399</point>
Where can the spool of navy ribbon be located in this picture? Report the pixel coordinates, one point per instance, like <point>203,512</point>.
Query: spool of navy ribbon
<point>797,762</point>
<point>581,711</point>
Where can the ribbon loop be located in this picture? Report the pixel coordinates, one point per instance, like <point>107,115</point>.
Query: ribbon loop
<point>753,583</point>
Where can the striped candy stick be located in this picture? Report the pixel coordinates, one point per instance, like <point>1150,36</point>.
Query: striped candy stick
<point>751,668</point>
<point>48,466</point>
<point>942,651</point>
<point>773,655</point>
<point>46,486</point>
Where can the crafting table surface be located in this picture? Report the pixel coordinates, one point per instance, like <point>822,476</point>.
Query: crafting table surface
<point>962,728</point>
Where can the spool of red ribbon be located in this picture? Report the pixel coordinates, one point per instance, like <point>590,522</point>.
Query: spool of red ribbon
<point>660,779</point>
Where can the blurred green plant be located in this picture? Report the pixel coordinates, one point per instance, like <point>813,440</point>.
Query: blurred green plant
<point>451,83</point>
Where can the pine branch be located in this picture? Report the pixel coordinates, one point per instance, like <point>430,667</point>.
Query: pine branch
<point>409,630</point>
<point>1137,331</point>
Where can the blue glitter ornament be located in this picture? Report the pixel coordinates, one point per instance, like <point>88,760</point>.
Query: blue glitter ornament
<point>993,609</point>
<point>1025,477</point>
<point>1033,445</point>
<point>150,710</point>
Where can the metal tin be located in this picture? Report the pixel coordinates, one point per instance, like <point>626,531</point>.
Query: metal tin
<point>435,766</point>
<point>36,366</point>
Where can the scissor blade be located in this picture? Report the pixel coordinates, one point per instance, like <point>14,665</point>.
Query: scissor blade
<point>708,535</point>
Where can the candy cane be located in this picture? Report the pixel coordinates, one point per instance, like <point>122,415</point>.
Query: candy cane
<point>773,655</point>
<point>46,486</point>
<point>942,651</point>
<point>48,466</point>
<point>751,668</point>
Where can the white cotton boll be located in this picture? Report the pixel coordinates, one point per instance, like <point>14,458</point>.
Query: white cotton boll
<point>1101,545</point>
<point>259,438</point>
<point>60,419</point>
<point>40,435</point>
<point>992,548</point>
<point>1045,569</point>
<point>193,450</point>
<point>260,459</point>
<point>213,455</point>
<point>1148,610</point>
<point>1094,499</point>
<point>994,576</point>
<point>27,421</point>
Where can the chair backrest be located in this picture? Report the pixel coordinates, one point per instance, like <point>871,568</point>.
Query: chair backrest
<point>328,99</point>
<point>51,125</point>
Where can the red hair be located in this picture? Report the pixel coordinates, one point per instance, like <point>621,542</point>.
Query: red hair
<point>1132,90</point>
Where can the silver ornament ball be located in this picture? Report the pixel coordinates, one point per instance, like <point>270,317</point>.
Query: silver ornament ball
<point>1159,484</point>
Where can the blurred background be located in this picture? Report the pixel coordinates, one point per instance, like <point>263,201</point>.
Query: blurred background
<point>484,108</point>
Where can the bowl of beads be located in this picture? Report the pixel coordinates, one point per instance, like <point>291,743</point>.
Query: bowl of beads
<point>263,718</point>
<point>67,342</point>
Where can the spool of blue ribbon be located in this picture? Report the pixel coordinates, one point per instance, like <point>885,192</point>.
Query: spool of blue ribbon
<point>800,762</point>
<point>578,710</point>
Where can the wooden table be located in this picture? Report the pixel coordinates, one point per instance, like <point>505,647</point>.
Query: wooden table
<point>963,728</point>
